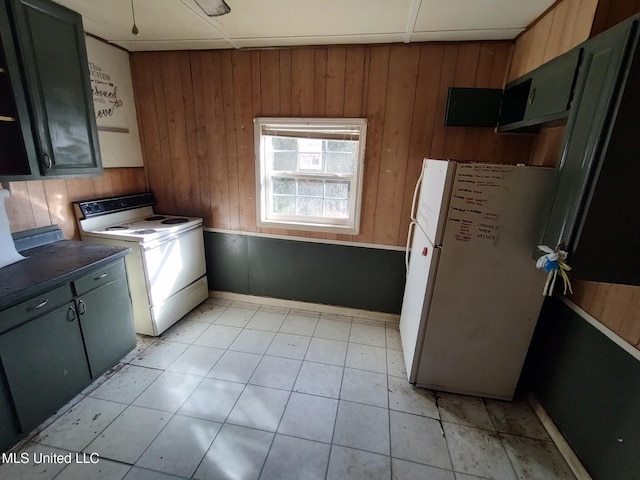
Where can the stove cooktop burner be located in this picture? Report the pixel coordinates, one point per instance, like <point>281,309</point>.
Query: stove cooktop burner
<point>146,231</point>
<point>173,221</point>
<point>155,218</point>
<point>117,227</point>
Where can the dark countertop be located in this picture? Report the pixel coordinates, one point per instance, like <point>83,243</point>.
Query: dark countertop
<point>51,265</point>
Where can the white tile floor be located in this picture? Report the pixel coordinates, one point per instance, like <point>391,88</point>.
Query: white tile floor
<point>241,391</point>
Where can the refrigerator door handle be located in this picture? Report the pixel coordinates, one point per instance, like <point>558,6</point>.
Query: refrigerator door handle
<point>413,215</point>
<point>415,194</point>
<point>412,225</point>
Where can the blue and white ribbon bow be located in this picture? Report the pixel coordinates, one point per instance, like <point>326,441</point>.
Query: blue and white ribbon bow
<point>553,262</point>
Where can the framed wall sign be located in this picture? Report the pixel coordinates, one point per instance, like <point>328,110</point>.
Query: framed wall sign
<point>114,104</point>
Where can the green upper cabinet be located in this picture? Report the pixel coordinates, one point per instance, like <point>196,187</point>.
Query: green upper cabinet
<point>594,210</point>
<point>541,96</point>
<point>18,154</point>
<point>46,59</point>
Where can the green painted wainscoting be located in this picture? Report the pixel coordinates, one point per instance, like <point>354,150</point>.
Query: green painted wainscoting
<point>590,387</point>
<point>366,278</point>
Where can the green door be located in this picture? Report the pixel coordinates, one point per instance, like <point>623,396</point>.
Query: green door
<point>17,158</point>
<point>107,324</point>
<point>9,430</point>
<point>45,364</point>
<point>51,40</point>
<point>587,131</point>
<point>551,88</point>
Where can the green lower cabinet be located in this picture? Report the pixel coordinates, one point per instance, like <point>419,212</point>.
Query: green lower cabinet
<point>105,317</point>
<point>45,364</point>
<point>9,428</point>
<point>46,359</point>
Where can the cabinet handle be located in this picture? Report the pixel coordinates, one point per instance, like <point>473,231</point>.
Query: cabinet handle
<point>40,305</point>
<point>47,161</point>
<point>71,314</point>
<point>101,276</point>
<point>532,96</point>
<point>82,308</point>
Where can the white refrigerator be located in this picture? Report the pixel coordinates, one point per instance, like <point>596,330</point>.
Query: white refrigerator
<point>473,292</point>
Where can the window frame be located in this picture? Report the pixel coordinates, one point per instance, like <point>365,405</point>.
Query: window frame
<point>339,126</point>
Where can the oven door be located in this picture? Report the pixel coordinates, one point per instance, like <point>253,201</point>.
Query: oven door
<point>172,263</point>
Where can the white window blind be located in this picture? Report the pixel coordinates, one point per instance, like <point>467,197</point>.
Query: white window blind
<point>309,173</point>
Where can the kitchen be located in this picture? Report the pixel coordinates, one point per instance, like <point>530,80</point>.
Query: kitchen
<point>207,168</point>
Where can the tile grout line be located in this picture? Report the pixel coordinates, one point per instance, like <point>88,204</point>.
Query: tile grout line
<point>386,366</point>
<point>335,420</point>
<point>500,440</point>
<point>290,391</point>
<point>101,432</point>
<point>32,439</point>
<point>343,366</point>
<point>436,398</point>
<point>172,414</point>
<point>224,422</point>
<point>275,433</point>
<point>108,459</point>
<point>246,384</point>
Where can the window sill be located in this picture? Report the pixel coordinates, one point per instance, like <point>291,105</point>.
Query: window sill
<point>309,227</point>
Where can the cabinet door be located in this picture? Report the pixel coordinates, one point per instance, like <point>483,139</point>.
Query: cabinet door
<point>107,324</point>
<point>45,364</point>
<point>541,96</point>
<point>607,242</point>
<point>552,88</point>
<point>599,73</point>
<point>9,429</point>
<point>51,42</point>
<point>17,158</point>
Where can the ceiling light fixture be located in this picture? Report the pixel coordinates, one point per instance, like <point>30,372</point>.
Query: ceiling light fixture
<point>134,29</point>
<point>213,8</point>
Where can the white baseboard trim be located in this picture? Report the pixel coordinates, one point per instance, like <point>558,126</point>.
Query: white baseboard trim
<point>610,334</point>
<point>318,307</point>
<point>563,446</point>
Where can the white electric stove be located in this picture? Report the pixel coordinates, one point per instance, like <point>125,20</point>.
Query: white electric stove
<point>166,268</point>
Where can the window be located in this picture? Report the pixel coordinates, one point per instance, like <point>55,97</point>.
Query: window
<point>309,173</point>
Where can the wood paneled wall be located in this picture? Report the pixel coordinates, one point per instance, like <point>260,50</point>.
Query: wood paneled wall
<point>196,111</point>
<point>39,203</point>
<point>561,29</point>
<point>611,12</point>
<point>568,24</point>
<point>616,306</point>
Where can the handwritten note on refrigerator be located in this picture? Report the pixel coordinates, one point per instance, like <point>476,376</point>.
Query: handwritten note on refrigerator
<point>470,209</point>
